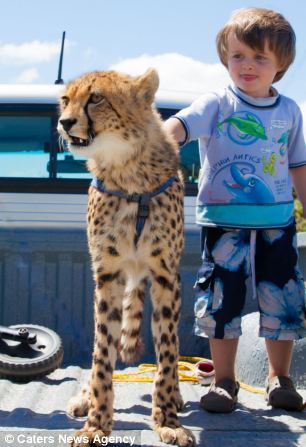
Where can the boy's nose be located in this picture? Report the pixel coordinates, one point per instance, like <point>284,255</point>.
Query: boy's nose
<point>247,64</point>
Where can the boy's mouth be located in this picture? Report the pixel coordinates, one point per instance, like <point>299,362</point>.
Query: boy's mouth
<point>246,77</point>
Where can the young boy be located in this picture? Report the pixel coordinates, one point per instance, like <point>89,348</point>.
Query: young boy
<point>250,138</point>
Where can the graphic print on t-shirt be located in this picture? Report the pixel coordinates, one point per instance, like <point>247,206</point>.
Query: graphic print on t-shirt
<point>237,182</point>
<point>243,127</point>
<point>247,187</point>
<point>243,177</point>
<point>283,141</point>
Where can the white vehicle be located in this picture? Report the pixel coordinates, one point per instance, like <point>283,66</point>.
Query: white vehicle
<point>40,182</point>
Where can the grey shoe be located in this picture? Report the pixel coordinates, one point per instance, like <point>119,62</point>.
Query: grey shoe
<point>221,396</point>
<point>281,393</point>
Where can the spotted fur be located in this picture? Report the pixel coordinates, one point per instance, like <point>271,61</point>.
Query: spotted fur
<point>109,118</point>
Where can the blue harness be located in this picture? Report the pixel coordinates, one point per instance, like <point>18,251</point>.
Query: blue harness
<point>142,200</point>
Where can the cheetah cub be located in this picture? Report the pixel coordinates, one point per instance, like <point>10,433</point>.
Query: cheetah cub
<point>135,234</point>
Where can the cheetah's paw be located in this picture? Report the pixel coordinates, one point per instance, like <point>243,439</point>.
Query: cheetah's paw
<point>78,406</point>
<point>85,438</point>
<point>180,436</point>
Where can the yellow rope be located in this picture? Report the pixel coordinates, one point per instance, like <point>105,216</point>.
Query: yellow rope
<point>185,364</point>
<point>146,368</point>
<point>251,388</point>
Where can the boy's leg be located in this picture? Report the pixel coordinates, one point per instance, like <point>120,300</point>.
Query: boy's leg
<point>279,357</point>
<point>222,395</point>
<point>223,355</point>
<point>220,297</point>
<point>280,391</point>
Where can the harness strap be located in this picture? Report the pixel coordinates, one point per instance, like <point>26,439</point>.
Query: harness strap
<point>143,200</point>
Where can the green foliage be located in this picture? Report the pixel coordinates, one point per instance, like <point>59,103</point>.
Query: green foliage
<point>298,212</point>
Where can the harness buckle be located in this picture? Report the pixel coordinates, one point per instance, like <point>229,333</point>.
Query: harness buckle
<point>143,210</point>
<point>143,207</point>
<point>134,197</point>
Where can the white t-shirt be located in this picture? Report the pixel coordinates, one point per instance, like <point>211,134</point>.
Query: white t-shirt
<point>247,146</point>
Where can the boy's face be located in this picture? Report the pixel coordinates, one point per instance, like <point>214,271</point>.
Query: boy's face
<point>252,71</point>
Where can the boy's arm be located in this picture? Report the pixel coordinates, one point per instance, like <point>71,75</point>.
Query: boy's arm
<point>299,181</point>
<point>176,129</point>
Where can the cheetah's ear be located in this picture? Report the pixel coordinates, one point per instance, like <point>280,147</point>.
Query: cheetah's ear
<point>147,85</point>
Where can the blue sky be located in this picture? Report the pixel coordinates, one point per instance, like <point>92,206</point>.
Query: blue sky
<point>176,36</point>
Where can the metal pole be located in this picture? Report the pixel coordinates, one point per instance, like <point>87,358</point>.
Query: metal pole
<point>59,76</point>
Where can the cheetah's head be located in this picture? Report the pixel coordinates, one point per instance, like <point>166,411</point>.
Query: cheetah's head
<point>103,114</point>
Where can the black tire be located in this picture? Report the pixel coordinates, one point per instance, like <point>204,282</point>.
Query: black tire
<point>22,362</point>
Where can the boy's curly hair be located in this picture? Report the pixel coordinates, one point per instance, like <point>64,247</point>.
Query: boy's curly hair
<point>255,27</point>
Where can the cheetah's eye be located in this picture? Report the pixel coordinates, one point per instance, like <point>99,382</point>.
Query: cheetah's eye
<point>64,101</point>
<point>95,98</point>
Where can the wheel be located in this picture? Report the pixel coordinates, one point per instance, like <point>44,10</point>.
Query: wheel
<point>22,362</point>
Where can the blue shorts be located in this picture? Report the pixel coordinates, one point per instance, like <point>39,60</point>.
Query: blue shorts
<point>221,288</point>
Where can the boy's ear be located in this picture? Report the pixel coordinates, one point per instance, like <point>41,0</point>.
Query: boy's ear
<point>147,85</point>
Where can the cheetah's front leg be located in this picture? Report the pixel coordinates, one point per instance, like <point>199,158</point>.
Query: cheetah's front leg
<point>166,396</point>
<point>108,310</point>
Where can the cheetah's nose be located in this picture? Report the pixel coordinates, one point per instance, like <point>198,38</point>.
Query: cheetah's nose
<point>68,123</point>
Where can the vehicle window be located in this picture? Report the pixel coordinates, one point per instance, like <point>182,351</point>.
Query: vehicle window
<point>71,166</point>
<point>25,143</point>
<point>30,148</point>
<point>190,162</point>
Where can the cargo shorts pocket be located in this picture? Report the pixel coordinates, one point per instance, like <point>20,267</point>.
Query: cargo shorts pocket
<point>203,293</point>
<point>204,276</point>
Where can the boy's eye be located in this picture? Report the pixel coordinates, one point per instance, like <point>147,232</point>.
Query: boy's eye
<point>260,57</point>
<point>237,56</point>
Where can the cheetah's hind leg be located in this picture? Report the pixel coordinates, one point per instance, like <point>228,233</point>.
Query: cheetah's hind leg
<point>131,346</point>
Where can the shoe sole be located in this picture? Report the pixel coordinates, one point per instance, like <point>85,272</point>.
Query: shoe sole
<point>285,402</point>
<point>213,406</point>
